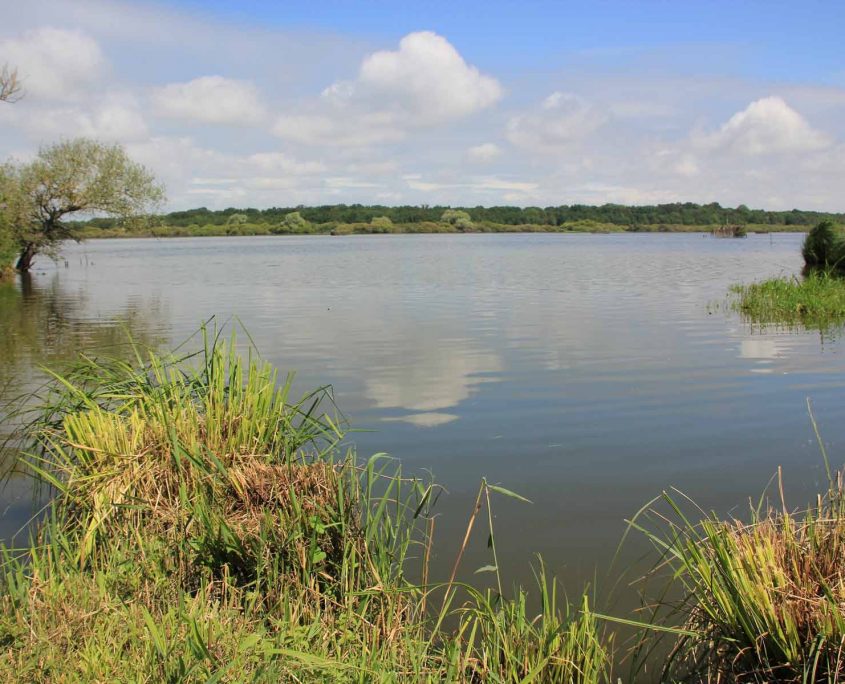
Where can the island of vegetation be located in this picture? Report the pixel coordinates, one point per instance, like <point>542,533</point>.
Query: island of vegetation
<point>815,300</point>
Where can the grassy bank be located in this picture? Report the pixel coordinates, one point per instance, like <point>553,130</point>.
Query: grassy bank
<point>815,301</point>
<point>332,228</point>
<point>206,527</point>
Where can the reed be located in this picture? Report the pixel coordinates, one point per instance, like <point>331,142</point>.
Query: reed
<point>205,527</point>
<point>815,301</point>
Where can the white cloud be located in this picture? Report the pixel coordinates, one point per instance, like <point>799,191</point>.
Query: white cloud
<point>766,126</point>
<point>54,63</point>
<point>562,120</point>
<point>282,163</point>
<point>428,78</point>
<point>112,117</point>
<point>424,83</point>
<point>360,131</point>
<point>210,99</point>
<point>484,153</point>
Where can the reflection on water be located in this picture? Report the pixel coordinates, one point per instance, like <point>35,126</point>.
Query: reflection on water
<point>43,323</point>
<point>583,371</point>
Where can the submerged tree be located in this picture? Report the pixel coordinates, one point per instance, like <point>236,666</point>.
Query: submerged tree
<point>79,176</point>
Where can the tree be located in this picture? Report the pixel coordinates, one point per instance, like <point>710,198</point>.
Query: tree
<point>458,218</point>
<point>294,223</point>
<point>237,220</point>
<point>11,89</point>
<point>381,224</point>
<point>13,213</point>
<point>78,176</point>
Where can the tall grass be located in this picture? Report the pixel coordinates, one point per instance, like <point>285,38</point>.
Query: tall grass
<point>760,601</point>
<point>206,527</point>
<point>815,301</point>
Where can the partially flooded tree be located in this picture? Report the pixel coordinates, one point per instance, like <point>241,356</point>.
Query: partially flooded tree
<point>14,213</point>
<point>11,89</point>
<point>78,177</point>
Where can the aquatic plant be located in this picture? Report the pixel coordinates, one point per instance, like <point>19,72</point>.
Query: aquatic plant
<point>815,301</point>
<point>206,527</point>
<point>762,601</point>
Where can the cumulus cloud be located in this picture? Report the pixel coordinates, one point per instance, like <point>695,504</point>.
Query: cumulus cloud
<point>428,79</point>
<point>484,153</point>
<point>766,126</point>
<point>426,82</point>
<point>210,99</point>
<point>112,117</point>
<point>357,131</point>
<point>561,120</point>
<point>54,63</point>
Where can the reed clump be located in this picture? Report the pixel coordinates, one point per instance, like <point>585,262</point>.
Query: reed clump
<point>206,527</point>
<point>763,601</point>
<point>815,301</point>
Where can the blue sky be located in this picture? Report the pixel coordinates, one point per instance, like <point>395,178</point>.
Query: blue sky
<point>529,103</point>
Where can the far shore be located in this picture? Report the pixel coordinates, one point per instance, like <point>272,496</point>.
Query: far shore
<point>422,228</point>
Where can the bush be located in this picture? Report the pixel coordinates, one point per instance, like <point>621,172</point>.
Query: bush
<point>381,224</point>
<point>824,247</point>
<point>457,218</point>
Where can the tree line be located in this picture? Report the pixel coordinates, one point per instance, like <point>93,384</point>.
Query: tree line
<point>680,213</point>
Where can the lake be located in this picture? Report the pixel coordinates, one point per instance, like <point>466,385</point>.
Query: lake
<point>585,372</point>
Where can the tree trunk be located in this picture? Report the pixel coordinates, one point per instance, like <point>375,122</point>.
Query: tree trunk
<point>26,257</point>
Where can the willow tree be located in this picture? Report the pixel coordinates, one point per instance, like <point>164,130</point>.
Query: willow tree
<point>14,212</point>
<point>78,178</point>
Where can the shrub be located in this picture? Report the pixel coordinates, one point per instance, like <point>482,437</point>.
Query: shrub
<point>824,247</point>
<point>457,218</point>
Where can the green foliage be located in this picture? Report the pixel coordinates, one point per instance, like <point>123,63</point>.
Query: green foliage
<point>762,601</point>
<point>381,224</point>
<point>824,247</point>
<point>294,223</point>
<point>816,301</point>
<point>13,215</point>
<point>458,218</point>
<point>237,220</point>
<point>203,530</point>
<point>674,216</point>
<point>76,176</point>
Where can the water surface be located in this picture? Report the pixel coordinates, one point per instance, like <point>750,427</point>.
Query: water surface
<point>586,372</point>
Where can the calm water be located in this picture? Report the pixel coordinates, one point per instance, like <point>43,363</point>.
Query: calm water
<point>583,371</point>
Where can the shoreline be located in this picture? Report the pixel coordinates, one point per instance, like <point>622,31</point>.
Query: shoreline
<point>344,230</point>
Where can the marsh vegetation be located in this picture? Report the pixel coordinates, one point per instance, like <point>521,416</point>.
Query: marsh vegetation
<point>816,300</point>
<point>207,526</point>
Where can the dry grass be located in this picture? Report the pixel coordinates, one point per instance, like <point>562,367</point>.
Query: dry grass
<point>762,601</point>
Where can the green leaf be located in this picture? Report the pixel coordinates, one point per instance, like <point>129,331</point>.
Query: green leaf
<point>486,568</point>
<point>508,492</point>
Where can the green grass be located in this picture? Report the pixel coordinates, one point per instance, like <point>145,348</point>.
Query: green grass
<point>815,301</point>
<point>206,527</point>
<point>761,601</point>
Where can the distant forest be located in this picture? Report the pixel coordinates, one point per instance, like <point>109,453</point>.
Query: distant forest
<point>687,213</point>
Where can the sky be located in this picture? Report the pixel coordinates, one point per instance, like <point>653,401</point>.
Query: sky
<point>463,103</point>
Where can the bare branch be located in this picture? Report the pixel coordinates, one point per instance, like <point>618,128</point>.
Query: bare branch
<point>11,88</point>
